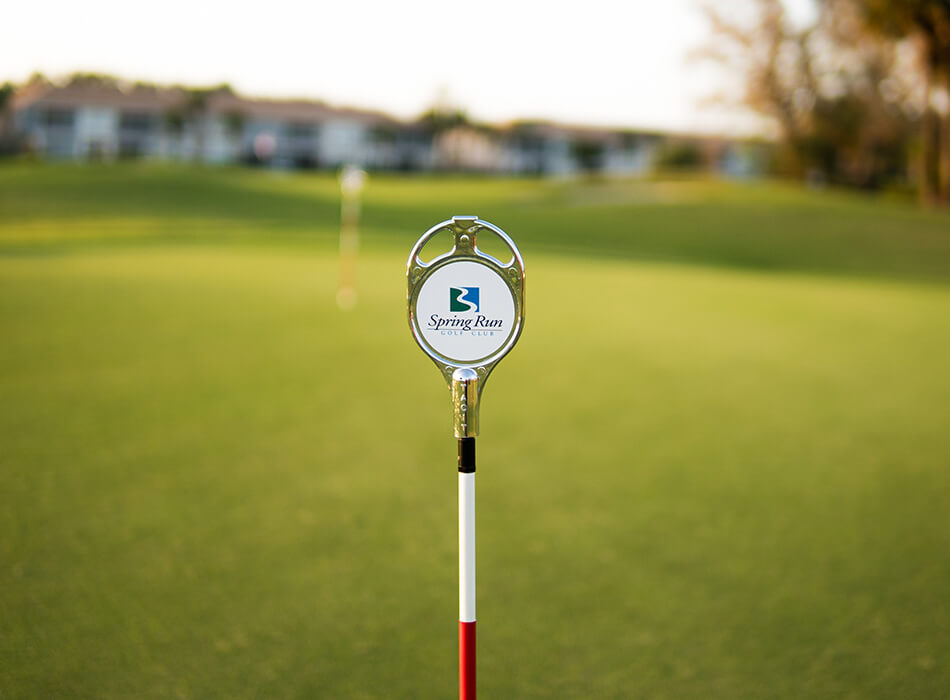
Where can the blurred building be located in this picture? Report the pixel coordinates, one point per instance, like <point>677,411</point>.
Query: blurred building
<point>95,121</point>
<point>98,118</point>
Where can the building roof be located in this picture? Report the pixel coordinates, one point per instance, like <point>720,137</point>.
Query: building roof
<point>292,110</point>
<point>146,98</point>
<point>133,98</point>
<point>571,132</point>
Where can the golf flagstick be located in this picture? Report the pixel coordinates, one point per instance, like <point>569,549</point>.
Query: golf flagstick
<point>352,180</point>
<point>467,568</point>
<point>466,311</point>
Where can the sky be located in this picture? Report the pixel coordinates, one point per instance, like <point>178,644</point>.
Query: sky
<point>617,63</point>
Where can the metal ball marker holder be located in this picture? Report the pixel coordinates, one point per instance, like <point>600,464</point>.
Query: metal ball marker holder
<point>466,311</point>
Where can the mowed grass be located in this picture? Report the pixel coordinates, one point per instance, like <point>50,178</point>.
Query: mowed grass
<point>752,225</point>
<point>694,481</point>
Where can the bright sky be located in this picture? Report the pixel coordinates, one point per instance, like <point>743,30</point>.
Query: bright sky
<point>618,63</point>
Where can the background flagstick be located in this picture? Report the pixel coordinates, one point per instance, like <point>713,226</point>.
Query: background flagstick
<point>352,180</point>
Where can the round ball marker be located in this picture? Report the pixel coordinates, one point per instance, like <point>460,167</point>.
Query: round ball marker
<point>466,308</point>
<point>465,312</point>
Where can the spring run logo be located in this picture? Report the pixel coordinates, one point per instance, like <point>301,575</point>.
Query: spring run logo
<point>463,299</point>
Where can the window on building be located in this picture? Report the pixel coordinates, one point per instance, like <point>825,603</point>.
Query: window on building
<point>135,121</point>
<point>59,117</point>
<point>299,130</point>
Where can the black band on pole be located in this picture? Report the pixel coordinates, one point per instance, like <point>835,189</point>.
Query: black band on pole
<point>467,455</point>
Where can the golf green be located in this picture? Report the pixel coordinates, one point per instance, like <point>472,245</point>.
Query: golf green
<point>715,466</point>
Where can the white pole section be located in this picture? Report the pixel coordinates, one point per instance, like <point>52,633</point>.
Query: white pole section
<point>467,581</point>
<point>466,547</point>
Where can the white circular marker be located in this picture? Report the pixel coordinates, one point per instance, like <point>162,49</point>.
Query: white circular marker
<point>465,311</point>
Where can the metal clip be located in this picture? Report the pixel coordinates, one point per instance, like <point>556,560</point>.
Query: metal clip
<point>465,401</point>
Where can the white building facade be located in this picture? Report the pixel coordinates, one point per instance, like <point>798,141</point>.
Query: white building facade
<point>97,119</point>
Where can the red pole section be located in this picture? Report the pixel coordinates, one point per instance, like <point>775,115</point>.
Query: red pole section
<point>466,660</point>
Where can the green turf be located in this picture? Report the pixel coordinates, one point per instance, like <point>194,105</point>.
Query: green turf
<point>753,225</point>
<point>216,484</point>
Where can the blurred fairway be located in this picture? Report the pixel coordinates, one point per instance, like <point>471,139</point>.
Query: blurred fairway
<point>704,480</point>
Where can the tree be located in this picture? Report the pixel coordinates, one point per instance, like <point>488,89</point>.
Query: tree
<point>837,92</point>
<point>437,119</point>
<point>6,95</point>
<point>93,80</point>
<point>588,153</point>
<point>234,122</point>
<point>6,99</point>
<point>679,154</point>
<point>195,110</point>
<point>927,22</point>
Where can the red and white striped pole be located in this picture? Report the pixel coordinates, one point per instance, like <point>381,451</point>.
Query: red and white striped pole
<point>467,568</point>
<point>466,311</point>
